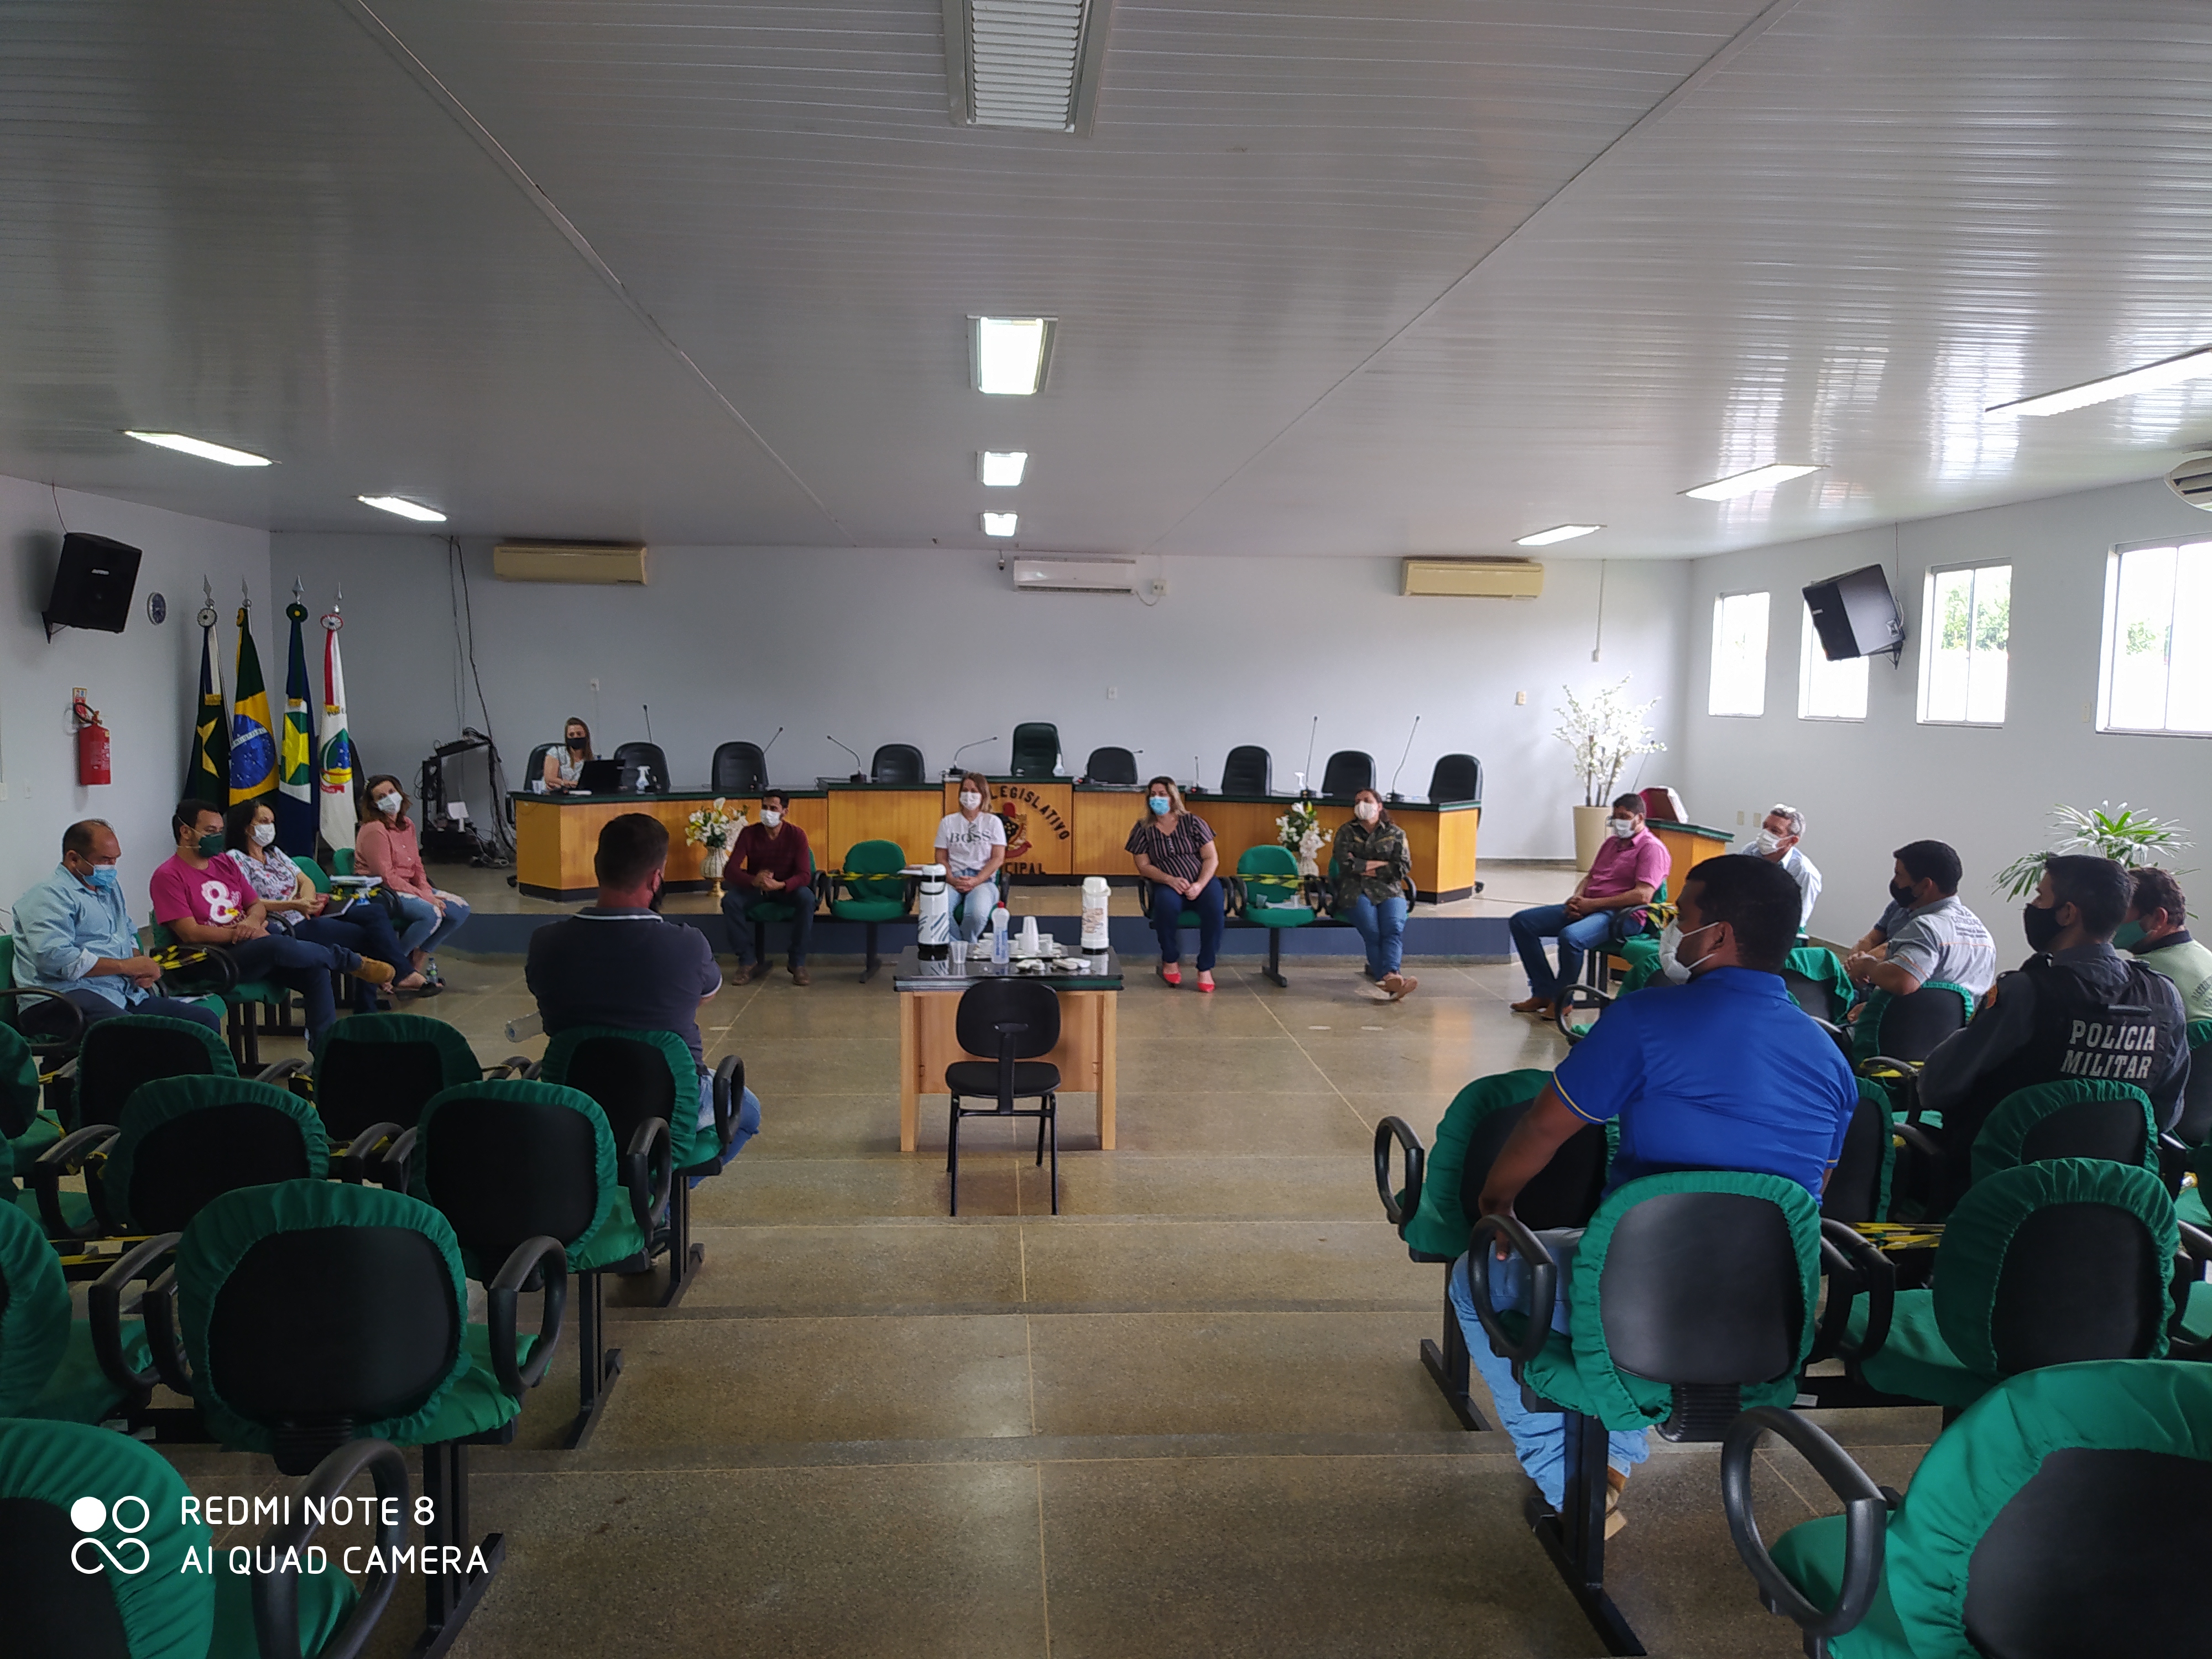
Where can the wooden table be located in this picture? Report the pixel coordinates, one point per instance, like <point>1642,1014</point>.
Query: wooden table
<point>1688,846</point>
<point>928,995</point>
<point>555,835</point>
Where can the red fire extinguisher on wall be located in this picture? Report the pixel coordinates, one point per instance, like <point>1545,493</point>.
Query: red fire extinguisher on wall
<point>92,744</point>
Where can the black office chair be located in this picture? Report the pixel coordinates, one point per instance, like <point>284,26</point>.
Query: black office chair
<point>1348,772</point>
<point>1036,749</point>
<point>897,762</point>
<point>1456,777</point>
<point>1016,1020</point>
<point>647,755</point>
<point>1250,770</point>
<point>1110,766</point>
<point>739,769</point>
<point>528,782</point>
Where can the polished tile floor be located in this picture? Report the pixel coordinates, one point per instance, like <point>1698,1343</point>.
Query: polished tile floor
<point>1186,1415</point>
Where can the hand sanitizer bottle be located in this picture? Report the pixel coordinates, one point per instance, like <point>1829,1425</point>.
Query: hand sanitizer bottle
<point>998,949</point>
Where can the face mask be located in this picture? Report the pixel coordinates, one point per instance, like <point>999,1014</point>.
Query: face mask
<point>2129,936</point>
<point>771,817</point>
<point>103,877</point>
<point>1670,961</point>
<point>2040,925</point>
<point>1901,893</point>
<point>1160,803</point>
<point>970,800</point>
<point>210,845</point>
<point>1768,843</point>
<point>264,833</point>
<point>575,742</point>
<point>1366,810</point>
<point>1622,828</point>
<point>388,805</point>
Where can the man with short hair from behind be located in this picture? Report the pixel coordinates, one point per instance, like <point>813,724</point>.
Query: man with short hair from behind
<point>73,935</point>
<point>1722,1072</point>
<point>1931,936</point>
<point>1606,907</point>
<point>618,961</point>
<point>2156,934</point>
<point>1779,833</point>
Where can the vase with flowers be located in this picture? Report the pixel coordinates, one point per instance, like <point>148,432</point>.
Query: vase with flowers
<point>715,827</point>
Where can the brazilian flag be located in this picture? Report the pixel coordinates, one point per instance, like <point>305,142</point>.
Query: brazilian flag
<point>207,773</point>
<point>295,805</point>
<point>253,746</point>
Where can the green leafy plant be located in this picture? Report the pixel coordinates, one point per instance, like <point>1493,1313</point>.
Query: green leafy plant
<point>2129,838</point>
<point>1604,733</point>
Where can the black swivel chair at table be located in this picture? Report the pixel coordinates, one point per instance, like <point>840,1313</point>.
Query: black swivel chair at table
<point>1250,770</point>
<point>532,772</point>
<point>1348,772</point>
<point>1456,777</point>
<point>1036,749</point>
<point>1116,766</point>
<point>739,769</point>
<point>1016,1020</point>
<point>646,755</point>
<point>897,763</point>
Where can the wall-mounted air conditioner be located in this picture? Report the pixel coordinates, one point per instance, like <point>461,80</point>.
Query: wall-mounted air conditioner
<point>1073,575</point>
<point>600,562</point>
<point>1474,579</point>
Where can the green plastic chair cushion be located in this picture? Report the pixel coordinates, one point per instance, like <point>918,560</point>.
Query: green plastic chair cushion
<point>166,1613</point>
<point>222,1234</point>
<point>476,1404</point>
<point>167,1099</point>
<point>326,1600</point>
<point>34,1318</point>
<point>871,879</point>
<point>457,1061</point>
<point>1277,915</point>
<point>2189,1207</point>
<point>1997,1146</point>
<point>604,1168</point>
<point>1811,1556</point>
<point>1440,1226</point>
<point>76,1210</point>
<point>1274,894</point>
<point>79,1391</point>
<point>1914,1360</point>
<point>695,1143</point>
<point>861,910</point>
<point>313,872</point>
<point>19,1077</point>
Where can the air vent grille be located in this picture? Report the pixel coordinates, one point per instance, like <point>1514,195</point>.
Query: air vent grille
<point>2193,481</point>
<point>1029,64</point>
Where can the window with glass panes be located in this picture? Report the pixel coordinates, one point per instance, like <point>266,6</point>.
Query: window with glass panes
<point>1739,672</point>
<point>2158,640</point>
<point>1829,690</point>
<point>1966,633</point>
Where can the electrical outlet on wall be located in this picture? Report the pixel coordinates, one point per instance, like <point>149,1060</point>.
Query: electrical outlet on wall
<point>1520,698</point>
<point>1112,692</point>
<point>595,687</point>
<point>1739,817</point>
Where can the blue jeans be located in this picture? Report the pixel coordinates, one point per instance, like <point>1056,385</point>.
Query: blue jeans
<point>743,1130</point>
<point>1167,908</point>
<point>37,1021</point>
<point>422,929</point>
<point>365,930</point>
<point>1540,1438</point>
<point>1531,927</point>
<point>969,912</point>
<point>1383,927</point>
<point>298,965</point>
<point>736,911</point>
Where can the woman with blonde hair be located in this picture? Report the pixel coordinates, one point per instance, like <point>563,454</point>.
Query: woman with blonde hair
<point>564,765</point>
<point>1175,852</point>
<point>971,845</point>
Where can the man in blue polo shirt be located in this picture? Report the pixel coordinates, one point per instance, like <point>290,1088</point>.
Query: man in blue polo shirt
<point>1722,1072</point>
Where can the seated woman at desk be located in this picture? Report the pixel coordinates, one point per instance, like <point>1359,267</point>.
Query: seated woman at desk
<point>1371,862</point>
<point>971,845</point>
<point>1175,851</point>
<point>564,765</point>
<point>386,846</point>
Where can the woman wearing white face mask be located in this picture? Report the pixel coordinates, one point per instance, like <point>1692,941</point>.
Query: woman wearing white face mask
<point>386,846</point>
<point>1371,862</point>
<point>971,845</point>
<point>1173,850</point>
<point>293,906</point>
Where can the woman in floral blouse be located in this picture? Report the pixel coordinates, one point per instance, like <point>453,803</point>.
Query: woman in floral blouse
<point>1371,862</point>
<point>295,907</point>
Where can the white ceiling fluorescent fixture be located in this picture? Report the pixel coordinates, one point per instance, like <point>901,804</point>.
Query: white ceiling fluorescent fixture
<point>1008,356</point>
<point>403,508</point>
<point>1000,524</point>
<point>201,447</point>
<point>2190,365</point>
<point>1744,483</point>
<point>1558,532</point>
<point>1032,64</point>
<point>1001,469</point>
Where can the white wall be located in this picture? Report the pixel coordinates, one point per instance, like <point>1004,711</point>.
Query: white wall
<point>1871,786</point>
<point>935,649</point>
<point>144,681</point>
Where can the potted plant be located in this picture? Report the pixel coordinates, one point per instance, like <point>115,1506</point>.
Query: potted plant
<point>2129,838</point>
<point>715,827</point>
<point>1604,734</point>
<point>1298,830</point>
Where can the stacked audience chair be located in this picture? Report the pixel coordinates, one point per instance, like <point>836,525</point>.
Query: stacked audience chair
<point>2079,1117</point>
<point>54,1362</point>
<point>376,1072</point>
<point>869,890</point>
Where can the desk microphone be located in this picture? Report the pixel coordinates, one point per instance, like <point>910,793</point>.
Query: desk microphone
<point>1395,795</point>
<point>771,742</point>
<point>954,770</point>
<point>1305,778</point>
<point>858,776</point>
<point>648,721</point>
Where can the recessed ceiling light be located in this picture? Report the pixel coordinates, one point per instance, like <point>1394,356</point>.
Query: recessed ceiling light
<point>1001,467</point>
<point>1558,532</point>
<point>1742,483</point>
<point>1009,353</point>
<point>403,508</point>
<point>201,447</point>
<point>1000,524</point>
<point>2189,365</point>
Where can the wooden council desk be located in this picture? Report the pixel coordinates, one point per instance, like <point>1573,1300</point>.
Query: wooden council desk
<point>1688,846</point>
<point>555,835</point>
<point>929,1001</point>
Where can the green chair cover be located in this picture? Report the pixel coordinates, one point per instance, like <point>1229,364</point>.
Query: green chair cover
<point>695,1144</point>
<point>313,872</point>
<point>874,889</point>
<point>1274,893</point>
<point>1976,1468</point>
<point>1823,966</point>
<point>167,1099</point>
<point>19,1081</point>
<point>48,1366</point>
<point>106,1071</point>
<point>342,861</point>
<point>1440,1226</point>
<point>784,909</point>
<point>1998,1143</point>
<point>355,1041</point>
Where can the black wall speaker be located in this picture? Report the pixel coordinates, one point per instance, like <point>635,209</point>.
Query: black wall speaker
<point>92,584</point>
<point>1855,615</point>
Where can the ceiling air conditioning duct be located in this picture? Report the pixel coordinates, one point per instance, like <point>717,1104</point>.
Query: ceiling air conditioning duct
<point>2193,481</point>
<point>601,563</point>
<point>1073,575</point>
<point>1474,579</point>
<point>1025,63</point>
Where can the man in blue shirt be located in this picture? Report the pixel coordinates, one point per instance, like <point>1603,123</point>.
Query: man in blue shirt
<point>1724,1073</point>
<point>73,934</point>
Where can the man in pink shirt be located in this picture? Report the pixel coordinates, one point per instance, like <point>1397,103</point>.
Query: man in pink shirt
<point>1606,907</point>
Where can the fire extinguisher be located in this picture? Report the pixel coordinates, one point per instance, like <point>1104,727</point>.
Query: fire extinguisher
<point>91,745</point>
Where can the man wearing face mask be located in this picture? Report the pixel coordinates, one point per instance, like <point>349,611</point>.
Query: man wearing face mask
<point>73,935</point>
<point>2075,1009</point>
<point>1928,934</point>
<point>1606,907</point>
<point>1779,833</point>
<point>2156,934</point>
<point>1722,1072</point>
<point>769,860</point>
<point>971,845</point>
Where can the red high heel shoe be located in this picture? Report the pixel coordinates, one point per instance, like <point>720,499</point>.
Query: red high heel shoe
<point>1204,985</point>
<point>1172,974</point>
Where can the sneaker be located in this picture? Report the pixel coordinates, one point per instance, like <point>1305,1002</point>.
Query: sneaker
<point>799,976</point>
<point>376,972</point>
<point>1401,986</point>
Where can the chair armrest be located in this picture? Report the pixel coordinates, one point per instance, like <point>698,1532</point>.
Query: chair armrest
<point>1877,1276</point>
<point>2192,1259</point>
<point>648,1196</point>
<point>1396,1210</point>
<point>1833,1029</point>
<point>1543,1286</point>
<point>277,1594</point>
<point>358,1156</point>
<point>104,1307</point>
<point>280,1070</point>
<point>2174,1157</point>
<point>53,1041</point>
<point>62,1158</point>
<point>729,1090</point>
<point>499,1311</point>
<point>215,971</point>
<point>514,1066</point>
<point>1866,1518</point>
<point>395,1170</point>
<point>1578,996</point>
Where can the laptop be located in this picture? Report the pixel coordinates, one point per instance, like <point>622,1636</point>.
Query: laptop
<point>605,777</point>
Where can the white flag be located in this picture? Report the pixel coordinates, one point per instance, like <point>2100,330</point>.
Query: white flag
<point>334,777</point>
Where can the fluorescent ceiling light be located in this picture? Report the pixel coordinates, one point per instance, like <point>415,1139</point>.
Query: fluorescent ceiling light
<point>403,508</point>
<point>2189,365</point>
<point>999,524</point>
<point>1001,467</point>
<point>1009,354</point>
<point>201,447</point>
<point>1558,532</point>
<point>1742,483</point>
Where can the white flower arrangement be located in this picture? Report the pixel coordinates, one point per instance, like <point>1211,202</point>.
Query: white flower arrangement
<point>1299,830</point>
<point>1604,733</point>
<point>714,827</point>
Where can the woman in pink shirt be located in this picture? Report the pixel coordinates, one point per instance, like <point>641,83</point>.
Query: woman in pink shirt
<point>386,846</point>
